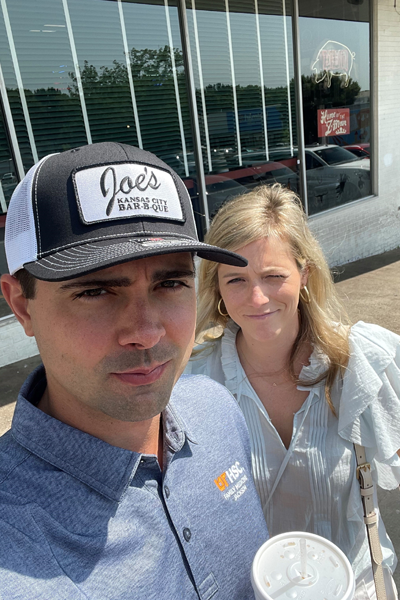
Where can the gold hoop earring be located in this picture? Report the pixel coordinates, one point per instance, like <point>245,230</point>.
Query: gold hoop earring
<point>219,309</point>
<point>305,295</point>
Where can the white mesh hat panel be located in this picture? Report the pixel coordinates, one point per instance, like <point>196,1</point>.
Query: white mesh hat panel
<point>20,234</point>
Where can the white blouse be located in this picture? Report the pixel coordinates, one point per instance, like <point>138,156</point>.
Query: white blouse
<point>312,486</point>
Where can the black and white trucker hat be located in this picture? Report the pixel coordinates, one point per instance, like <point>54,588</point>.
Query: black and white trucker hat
<point>97,206</point>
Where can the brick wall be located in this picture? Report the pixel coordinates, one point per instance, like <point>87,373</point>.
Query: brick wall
<point>15,345</point>
<point>372,226</point>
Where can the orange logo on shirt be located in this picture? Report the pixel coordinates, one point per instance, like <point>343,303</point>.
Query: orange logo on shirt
<point>221,482</point>
<point>232,474</point>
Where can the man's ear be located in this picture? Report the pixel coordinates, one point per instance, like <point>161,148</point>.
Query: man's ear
<point>14,297</point>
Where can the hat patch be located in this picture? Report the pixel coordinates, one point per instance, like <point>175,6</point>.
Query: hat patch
<point>121,191</point>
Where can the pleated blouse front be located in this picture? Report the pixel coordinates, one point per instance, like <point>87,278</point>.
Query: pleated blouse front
<point>312,485</point>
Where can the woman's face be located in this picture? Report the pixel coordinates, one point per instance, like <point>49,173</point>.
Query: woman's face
<point>263,297</point>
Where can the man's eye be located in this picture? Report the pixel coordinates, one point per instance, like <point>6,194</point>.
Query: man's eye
<point>94,293</point>
<point>173,283</point>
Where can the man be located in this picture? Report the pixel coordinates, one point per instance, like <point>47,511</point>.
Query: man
<point>109,489</point>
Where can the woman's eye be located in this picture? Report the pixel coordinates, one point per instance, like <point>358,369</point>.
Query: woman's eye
<point>236,280</point>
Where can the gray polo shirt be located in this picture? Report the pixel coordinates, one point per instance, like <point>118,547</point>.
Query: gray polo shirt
<point>80,519</point>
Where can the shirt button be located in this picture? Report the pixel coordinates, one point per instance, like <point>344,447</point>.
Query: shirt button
<point>166,491</point>
<point>187,534</point>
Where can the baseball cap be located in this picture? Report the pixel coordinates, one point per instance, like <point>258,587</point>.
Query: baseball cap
<point>97,206</point>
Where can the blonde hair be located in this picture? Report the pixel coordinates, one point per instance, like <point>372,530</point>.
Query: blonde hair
<point>276,212</point>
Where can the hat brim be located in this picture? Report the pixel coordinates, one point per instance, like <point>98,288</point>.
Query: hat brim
<point>94,256</point>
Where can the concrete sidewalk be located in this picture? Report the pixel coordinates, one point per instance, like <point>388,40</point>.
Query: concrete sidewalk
<point>370,289</point>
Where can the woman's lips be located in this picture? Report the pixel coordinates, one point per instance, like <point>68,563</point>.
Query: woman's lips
<point>142,376</point>
<point>262,316</point>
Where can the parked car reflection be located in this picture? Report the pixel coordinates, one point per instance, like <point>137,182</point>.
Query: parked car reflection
<point>360,150</point>
<point>335,176</point>
<point>220,189</point>
<point>8,183</point>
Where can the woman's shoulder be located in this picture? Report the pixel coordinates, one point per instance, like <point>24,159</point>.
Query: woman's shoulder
<point>216,358</point>
<point>374,341</point>
<point>369,410</point>
<point>206,360</point>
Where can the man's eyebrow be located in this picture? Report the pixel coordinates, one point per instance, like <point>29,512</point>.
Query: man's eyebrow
<point>163,274</point>
<point>96,283</point>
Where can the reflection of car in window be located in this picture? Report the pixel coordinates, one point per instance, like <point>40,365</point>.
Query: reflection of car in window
<point>220,189</point>
<point>8,184</point>
<point>335,176</point>
<point>360,150</point>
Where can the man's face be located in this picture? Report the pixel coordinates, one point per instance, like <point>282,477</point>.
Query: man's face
<point>117,340</point>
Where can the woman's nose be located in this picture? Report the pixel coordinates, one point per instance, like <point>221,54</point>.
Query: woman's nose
<point>258,296</point>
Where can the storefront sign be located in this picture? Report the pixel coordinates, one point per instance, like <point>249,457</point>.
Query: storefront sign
<point>333,121</point>
<point>333,60</point>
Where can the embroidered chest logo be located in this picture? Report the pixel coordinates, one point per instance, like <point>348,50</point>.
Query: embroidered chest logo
<point>232,482</point>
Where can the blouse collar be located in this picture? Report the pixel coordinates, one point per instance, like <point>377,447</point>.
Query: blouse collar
<point>234,373</point>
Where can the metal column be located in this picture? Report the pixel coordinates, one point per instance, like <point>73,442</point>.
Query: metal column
<point>187,59</point>
<point>301,155</point>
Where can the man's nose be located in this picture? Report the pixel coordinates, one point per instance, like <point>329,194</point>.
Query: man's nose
<point>141,326</point>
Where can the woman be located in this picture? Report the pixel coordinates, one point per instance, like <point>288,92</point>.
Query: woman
<point>309,385</point>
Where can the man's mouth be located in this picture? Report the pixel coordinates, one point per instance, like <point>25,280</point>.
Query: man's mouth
<point>142,375</point>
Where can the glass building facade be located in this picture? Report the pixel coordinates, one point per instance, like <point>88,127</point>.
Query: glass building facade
<point>231,93</point>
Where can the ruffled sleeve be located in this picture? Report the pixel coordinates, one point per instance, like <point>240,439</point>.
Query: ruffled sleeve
<point>369,409</point>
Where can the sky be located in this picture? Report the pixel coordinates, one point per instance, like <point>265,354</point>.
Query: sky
<point>43,49</point>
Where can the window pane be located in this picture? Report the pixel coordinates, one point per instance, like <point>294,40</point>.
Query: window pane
<point>45,62</point>
<point>95,70</point>
<point>129,86</point>
<point>242,55</point>
<point>334,39</point>
<point>8,182</point>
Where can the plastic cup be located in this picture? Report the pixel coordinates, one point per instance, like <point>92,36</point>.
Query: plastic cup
<point>301,566</point>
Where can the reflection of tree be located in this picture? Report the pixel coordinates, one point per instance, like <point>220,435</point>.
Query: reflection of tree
<point>317,95</point>
<point>148,64</point>
<point>107,92</point>
<point>57,120</point>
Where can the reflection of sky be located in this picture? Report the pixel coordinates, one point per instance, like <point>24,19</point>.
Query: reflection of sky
<point>42,42</point>
<point>213,36</point>
<point>45,57</point>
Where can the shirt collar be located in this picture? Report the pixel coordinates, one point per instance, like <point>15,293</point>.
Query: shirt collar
<point>105,468</point>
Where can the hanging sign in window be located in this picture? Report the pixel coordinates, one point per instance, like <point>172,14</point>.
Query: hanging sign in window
<point>333,60</point>
<point>333,121</point>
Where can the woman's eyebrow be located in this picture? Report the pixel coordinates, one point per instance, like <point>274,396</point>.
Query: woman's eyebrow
<point>233,274</point>
<point>241,273</point>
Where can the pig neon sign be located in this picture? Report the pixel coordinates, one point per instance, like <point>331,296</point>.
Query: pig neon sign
<point>333,60</point>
